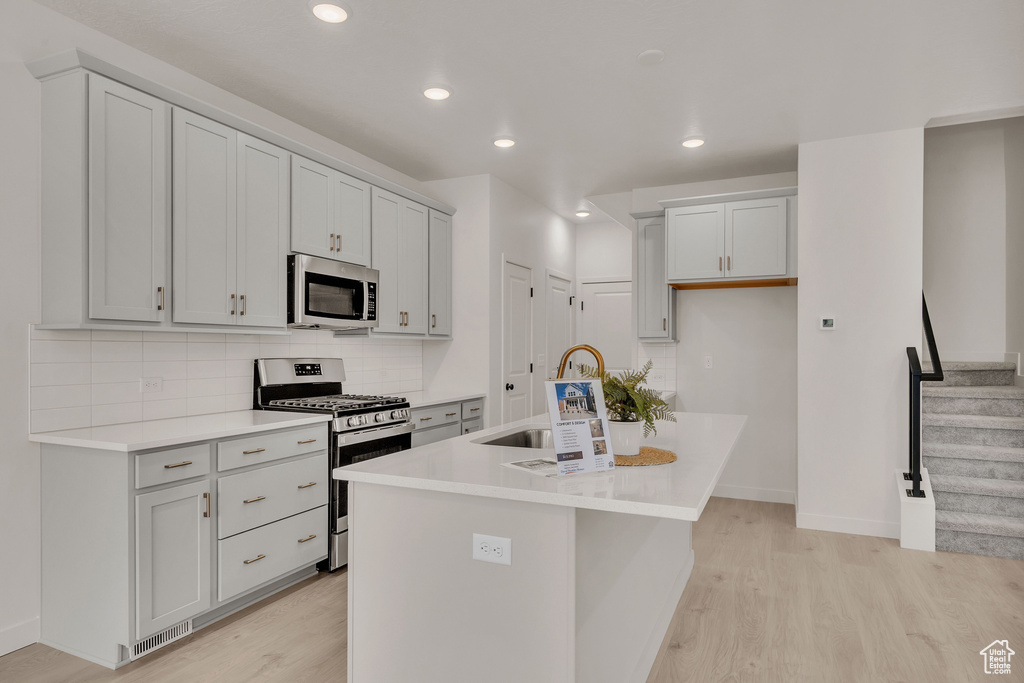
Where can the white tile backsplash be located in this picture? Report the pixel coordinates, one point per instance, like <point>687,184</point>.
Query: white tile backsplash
<point>663,357</point>
<point>81,378</point>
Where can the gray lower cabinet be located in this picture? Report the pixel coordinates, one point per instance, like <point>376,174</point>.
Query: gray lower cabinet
<point>125,567</point>
<point>445,421</point>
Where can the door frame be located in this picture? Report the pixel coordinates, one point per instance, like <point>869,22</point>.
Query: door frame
<point>500,389</point>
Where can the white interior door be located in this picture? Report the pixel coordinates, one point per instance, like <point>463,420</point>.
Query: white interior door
<point>606,309</point>
<point>516,332</point>
<point>559,302</point>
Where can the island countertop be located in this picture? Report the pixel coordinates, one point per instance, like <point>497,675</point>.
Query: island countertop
<point>703,443</point>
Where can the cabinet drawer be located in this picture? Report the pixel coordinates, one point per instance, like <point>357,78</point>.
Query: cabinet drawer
<point>247,560</point>
<point>421,437</point>
<point>432,416</point>
<point>470,426</point>
<point>252,450</point>
<point>176,464</point>
<point>472,409</point>
<point>273,493</point>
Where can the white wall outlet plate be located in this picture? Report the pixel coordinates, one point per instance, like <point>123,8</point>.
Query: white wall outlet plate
<point>494,549</point>
<point>827,323</point>
<point>151,385</point>
<point>709,362</point>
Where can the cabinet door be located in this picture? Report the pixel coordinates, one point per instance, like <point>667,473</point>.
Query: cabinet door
<point>413,261</point>
<point>204,220</point>
<point>655,316</point>
<point>129,136</point>
<point>695,242</point>
<point>440,270</point>
<point>262,240</point>
<point>172,556</point>
<point>351,219</point>
<point>755,233</point>
<point>387,216</point>
<point>312,208</point>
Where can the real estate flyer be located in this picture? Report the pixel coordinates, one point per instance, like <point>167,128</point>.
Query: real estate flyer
<point>579,425</point>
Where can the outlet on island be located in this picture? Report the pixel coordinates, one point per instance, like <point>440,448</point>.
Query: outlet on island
<point>494,549</point>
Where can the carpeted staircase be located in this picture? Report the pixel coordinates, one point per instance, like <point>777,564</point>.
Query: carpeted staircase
<point>973,449</point>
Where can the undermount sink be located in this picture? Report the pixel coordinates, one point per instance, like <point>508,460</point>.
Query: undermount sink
<point>528,438</point>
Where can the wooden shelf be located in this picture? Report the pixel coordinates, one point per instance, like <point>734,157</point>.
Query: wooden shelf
<point>733,284</point>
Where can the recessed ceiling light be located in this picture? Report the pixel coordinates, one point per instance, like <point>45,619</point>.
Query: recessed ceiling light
<point>693,142</point>
<point>331,12</point>
<point>437,92</point>
<point>650,57</point>
<point>504,141</point>
<point>582,213</point>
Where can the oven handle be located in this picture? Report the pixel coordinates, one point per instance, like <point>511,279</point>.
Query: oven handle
<point>374,434</point>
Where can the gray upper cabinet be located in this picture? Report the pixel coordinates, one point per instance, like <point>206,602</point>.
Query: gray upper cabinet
<point>737,239</point>
<point>128,137</point>
<point>330,213</point>
<point>400,253</point>
<point>230,225</point>
<point>655,299</point>
<point>440,274</point>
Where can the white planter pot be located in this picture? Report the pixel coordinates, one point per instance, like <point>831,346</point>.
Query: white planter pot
<point>626,437</point>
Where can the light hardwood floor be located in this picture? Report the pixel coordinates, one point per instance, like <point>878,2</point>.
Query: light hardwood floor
<point>766,602</point>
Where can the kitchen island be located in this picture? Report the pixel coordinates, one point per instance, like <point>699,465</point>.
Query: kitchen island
<point>598,561</point>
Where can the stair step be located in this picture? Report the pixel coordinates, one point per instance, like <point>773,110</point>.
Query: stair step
<point>996,392</point>
<point>974,373</point>
<point>1003,406</point>
<point>991,525</point>
<point>978,496</point>
<point>981,430</point>
<point>984,462</point>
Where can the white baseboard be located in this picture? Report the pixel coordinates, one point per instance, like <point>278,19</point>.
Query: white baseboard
<point>18,636</point>
<point>753,493</point>
<point>848,525</point>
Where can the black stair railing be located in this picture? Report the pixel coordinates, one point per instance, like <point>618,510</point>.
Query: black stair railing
<point>917,375</point>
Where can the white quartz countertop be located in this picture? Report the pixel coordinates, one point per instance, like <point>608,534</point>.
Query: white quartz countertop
<point>703,443</point>
<point>422,399</point>
<point>147,434</point>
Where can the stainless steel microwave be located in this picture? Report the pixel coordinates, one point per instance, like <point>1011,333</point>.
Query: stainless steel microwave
<point>329,295</point>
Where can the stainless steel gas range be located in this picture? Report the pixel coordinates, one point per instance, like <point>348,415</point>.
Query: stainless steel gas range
<point>363,427</point>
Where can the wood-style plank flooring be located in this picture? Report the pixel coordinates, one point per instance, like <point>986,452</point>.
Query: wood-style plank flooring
<point>766,602</point>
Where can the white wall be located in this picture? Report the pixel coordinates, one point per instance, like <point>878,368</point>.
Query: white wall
<point>462,365</point>
<point>964,239</point>
<point>531,235</point>
<point>860,261</point>
<point>751,336</point>
<point>603,250</point>
<point>29,31</point>
<point>1014,159</point>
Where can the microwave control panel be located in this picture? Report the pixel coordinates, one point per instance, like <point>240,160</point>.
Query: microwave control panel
<point>371,300</point>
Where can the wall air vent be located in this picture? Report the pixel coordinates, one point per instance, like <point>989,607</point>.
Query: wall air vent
<point>157,641</point>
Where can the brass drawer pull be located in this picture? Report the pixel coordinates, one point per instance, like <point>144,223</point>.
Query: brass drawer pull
<point>433,318</point>
<point>309,538</point>
<point>160,291</point>
<point>206,496</point>
<point>450,414</point>
<point>255,500</point>
<point>308,441</point>
<point>180,464</point>
<point>473,410</point>
<point>255,559</point>
<point>258,450</point>
<point>243,304</point>
<point>426,419</point>
<point>232,304</point>
<point>719,263</point>
<point>306,486</point>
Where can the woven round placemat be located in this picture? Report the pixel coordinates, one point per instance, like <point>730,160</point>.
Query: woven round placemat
<point>647,456</point>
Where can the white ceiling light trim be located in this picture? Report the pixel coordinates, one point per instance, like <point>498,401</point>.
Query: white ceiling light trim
<point>504,141</point>
<point>331,12</point>
<point>437,92</point>
<point>582,213</point>
<point>650,57</point>
<point>693,142</point>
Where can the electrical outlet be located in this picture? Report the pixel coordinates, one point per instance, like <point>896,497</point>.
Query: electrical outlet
<point>492,549</point>
<point>151,385</point>
<point>708,362</point>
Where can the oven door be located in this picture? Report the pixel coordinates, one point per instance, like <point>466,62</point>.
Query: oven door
<point>354,448</point>
<point>328,294</point>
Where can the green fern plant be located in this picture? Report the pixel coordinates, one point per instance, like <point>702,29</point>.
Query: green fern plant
<point>627,401</point>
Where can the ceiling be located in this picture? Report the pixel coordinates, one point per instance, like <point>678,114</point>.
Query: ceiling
<point>754,77</point>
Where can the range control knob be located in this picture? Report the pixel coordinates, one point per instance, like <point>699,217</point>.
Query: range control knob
<point>353,422</point>
<point>395,414</point>
<point>380,417</point>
